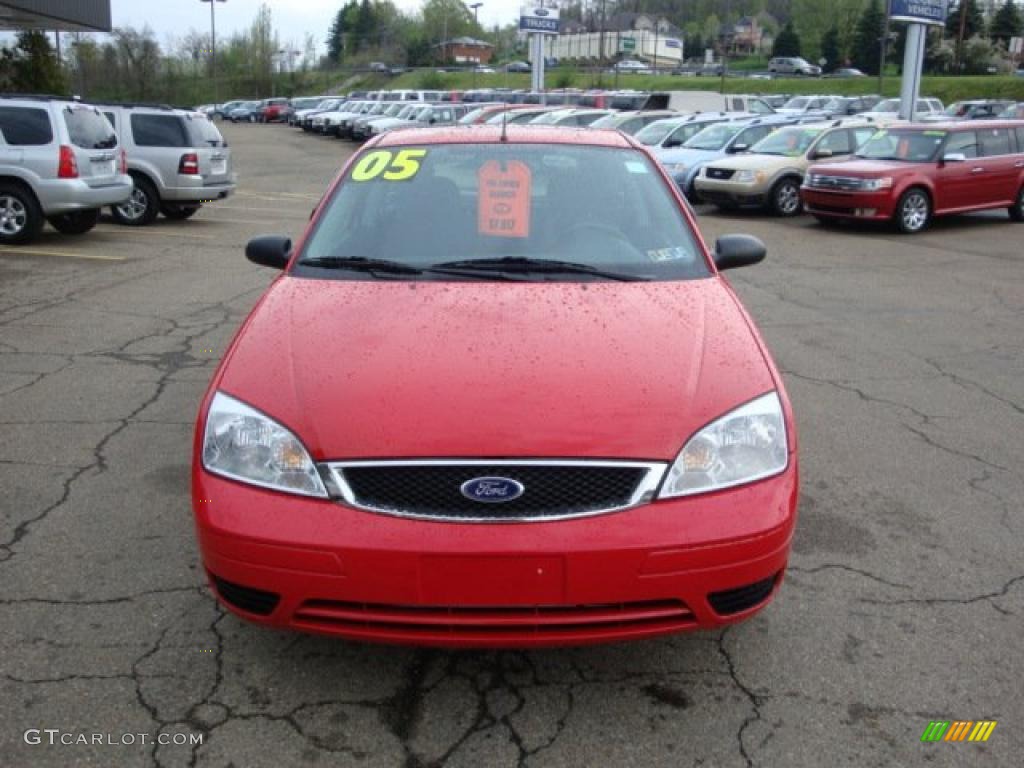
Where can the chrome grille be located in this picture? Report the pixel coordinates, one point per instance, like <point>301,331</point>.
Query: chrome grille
<point>552,489</point>
<point>838,183</point>
<point>719,173</point>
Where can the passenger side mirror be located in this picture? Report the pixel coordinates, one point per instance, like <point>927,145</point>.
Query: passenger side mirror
<point>269,251</point>
<point>954,157</point>
<point>672,143</point>
<point>733,251</point>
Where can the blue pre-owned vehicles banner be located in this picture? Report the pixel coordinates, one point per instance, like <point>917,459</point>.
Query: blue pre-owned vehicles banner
<point>919,11</point>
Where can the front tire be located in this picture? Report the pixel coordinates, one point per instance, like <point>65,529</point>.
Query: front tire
<point>141,208</point>
<point>21,219</point>
<point>1017,211</point>
<point>177,211</point>
<point>77,223</point>
<point>913,212</point>
<point>785,198</point>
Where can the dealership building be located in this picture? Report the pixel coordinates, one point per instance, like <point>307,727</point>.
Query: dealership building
<point>64,15</point>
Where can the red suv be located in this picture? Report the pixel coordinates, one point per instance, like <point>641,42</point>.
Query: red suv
<point>275,110</point>
<point>910,173</point>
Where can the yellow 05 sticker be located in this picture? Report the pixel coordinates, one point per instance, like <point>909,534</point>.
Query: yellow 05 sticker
<point>390,166</point>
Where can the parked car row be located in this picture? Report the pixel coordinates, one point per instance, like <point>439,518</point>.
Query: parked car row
<point>63,161</point>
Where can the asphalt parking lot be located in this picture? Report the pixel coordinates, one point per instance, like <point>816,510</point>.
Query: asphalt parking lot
<point>904,601</point>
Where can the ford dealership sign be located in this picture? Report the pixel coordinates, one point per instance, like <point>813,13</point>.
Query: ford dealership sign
<point>919,11</point>
<point>542,21</point>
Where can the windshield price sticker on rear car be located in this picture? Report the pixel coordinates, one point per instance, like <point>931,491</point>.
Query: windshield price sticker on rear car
<point>504,198</point>
<point>390,166</point>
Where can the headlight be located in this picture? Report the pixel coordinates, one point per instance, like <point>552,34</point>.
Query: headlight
<point>746,444</point>
<point>746,177</point>
<point>243,444</point>
<point>873,185</point>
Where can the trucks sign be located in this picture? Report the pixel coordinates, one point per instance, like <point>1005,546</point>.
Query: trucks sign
<point>919,11</point>
<point>540,21</point>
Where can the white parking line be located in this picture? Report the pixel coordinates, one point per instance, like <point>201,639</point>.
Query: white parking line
<point>61,254</point>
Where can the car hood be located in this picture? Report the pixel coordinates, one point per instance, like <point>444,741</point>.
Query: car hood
<point>687,156</point>
<point>862,167</point>
<point>758,162</point>
<point>365,369</point>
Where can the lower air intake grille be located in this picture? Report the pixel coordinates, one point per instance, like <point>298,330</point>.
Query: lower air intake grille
<point>246,598</point>
<point>732,601</point>
<point>440,622</point>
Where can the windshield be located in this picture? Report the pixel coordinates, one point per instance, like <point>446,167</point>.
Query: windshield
<point>604,208</point>
<point>550,118</point>
<point>610,121</point>
<point>714,136</point>
<point>905,146</point>
<point>471,117</point>
<point>88,129</point>
<point>888,105</point>
<point>800,102</point>
<point>957,109</point>
<point>656,132</point>
<point>790,142</point>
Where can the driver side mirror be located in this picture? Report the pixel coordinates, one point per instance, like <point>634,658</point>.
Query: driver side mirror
<point>672,143</point>
<point>733,251</point>
<point>954,157</point>
<point>269,251</point>
<point>739,148</point>
<point>819,153</point>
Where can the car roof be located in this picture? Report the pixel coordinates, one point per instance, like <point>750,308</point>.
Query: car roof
<point>516,134</point>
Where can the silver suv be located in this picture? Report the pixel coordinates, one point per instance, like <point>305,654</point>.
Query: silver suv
<point>793,65</point>
<point>59,162</point>
<point>178,160</point>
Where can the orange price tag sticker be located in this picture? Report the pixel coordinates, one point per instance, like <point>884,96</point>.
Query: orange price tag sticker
<point>503,209</point>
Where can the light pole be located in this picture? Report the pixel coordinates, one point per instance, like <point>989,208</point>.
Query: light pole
<point>476,20</point>
<point>213,44</point>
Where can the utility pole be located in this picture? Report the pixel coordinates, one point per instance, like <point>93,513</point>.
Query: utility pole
<point>213,44</point>
<point>883,44</point>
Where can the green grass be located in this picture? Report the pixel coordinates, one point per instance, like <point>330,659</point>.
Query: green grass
<point>948,89</point>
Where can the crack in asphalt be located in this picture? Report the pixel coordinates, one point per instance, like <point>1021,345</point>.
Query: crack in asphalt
<point>850,569</point>
<point>984,597</point>
<point>754,699</point>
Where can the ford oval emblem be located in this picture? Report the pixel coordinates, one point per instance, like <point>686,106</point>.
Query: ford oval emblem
<point>540,11</point>
<point>492,490</point>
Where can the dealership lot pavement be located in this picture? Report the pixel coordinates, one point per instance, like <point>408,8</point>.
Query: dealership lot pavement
<point>904,602</point>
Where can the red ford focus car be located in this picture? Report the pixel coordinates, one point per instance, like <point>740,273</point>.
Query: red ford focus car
<point>499,396</point>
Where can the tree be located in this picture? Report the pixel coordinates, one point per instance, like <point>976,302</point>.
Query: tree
<point>138,56</point>
<point>974,22</point>
<point>32,67</point>
<point>788,42</point>
<point>830,49</point>
<point>1006,23</point>
<point>867,49</point>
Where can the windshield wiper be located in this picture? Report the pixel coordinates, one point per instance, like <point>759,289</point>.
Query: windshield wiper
<point>388,267</point>
<point>361,264</point>
<point>524,264</point>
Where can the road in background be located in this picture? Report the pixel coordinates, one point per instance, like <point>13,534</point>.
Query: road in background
<point>904,358</point>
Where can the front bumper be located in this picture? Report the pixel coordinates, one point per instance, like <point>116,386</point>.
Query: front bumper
<point>728,192</point>
<point>70,195</point>
<point>319,566</point>
<point>865,206</point>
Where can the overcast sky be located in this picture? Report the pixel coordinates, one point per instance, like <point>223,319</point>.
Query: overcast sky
<point>292,18</point>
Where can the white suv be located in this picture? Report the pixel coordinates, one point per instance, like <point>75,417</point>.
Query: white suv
<point>60,161</point>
